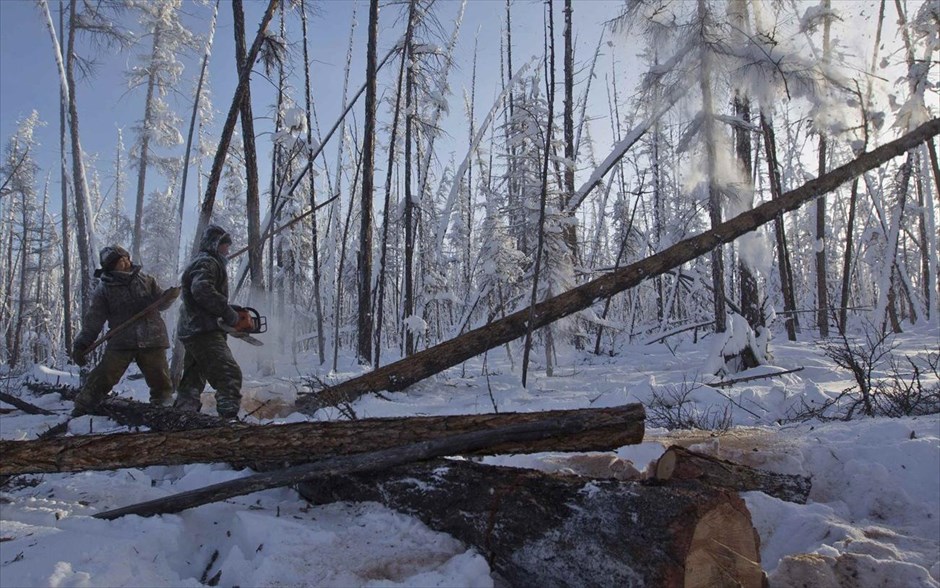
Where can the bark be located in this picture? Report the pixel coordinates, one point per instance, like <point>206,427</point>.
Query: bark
<point>597,430</point>
<point>403,373</point>
<point>679,463</point>
<point>538,529</point>
<point>571,230</point>
<point>364,331</point>
<point>822,290</point>
<point>847,260</point>
<point>66,232</point>
<point>23,405</point>
<point>315,241</point>
<point>80,190</point>
<point>409,245</point>
<point>456,444</point>
<point>714,190</point>
<point>783,256</point>
<point>252,198</point>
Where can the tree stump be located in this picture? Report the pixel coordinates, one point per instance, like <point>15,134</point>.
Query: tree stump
<point>679,463</point>
<point>539,529</point>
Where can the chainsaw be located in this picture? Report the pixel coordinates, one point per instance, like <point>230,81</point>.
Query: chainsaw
<point>259,324</point>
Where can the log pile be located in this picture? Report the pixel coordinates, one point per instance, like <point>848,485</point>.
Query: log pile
<point>539,529</point>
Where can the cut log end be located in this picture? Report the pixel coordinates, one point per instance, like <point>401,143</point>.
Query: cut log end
<point>724,551</point>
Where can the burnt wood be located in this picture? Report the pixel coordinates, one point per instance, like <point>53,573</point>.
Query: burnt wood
<point>538,529</point>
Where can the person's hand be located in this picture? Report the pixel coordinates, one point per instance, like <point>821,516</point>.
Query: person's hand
<point>244,323</point>
<point>173,293</point>
<point>78,357</point>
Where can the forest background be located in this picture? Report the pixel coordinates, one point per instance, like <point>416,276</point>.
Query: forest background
<point>666,118</point>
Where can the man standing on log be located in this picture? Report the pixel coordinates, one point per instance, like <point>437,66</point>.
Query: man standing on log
<point>205,302</point>
<point>122,292</point>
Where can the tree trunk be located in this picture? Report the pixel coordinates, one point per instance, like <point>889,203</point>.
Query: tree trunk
<point>83,215</point>
<point>315,241</point>
<point>543,197</point>
<point>379,298</point>
<point>538,529</point>
<point>142,159</point>
<point>364,331</point>
<point>225,137</point>
<point>679,463</point>
<point>714,191</point>
<point>455,444</point>
<point>591,429</point>
<point>252,198</point>
<point>783,256</point>
<point>192,127</point>
<point>408,307</point>
<point>822,290</point>
<point>571,230</point>
<point>401,374</point>
<point>66,233</point>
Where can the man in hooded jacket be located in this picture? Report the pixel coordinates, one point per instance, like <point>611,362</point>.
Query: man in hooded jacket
<point>122,292</point>
<point>205,302</point>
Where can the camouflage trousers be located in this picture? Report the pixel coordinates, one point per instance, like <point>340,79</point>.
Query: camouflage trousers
<point>152,364</point>
<point>209,359</point>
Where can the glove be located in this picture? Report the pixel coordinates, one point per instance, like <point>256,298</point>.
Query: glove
<point>173,292</point>
<point>244,323</point>
<point>78,357</point>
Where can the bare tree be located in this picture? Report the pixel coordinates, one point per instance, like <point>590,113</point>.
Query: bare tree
<point>364,331</point>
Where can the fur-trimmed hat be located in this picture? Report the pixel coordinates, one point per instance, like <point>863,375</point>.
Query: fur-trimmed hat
<point>108,256</point>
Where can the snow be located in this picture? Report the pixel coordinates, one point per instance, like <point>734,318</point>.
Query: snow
<point>873,513</point>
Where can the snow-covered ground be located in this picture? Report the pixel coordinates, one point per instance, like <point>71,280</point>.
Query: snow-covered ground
<point>873,518</point>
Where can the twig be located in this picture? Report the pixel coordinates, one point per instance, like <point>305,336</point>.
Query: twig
<point>677,331</point>
<point>728,383</point>
<point>23,405</point>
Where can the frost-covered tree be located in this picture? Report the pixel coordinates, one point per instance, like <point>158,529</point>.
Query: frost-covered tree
<point>18,181</point>
<point>158,251</point>
<point>158,70</point>
<point>117,226</point>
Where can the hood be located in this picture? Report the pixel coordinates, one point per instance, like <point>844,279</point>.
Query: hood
<point>211,237</point>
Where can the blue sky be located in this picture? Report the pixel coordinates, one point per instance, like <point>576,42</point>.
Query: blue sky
<point>28,77</point>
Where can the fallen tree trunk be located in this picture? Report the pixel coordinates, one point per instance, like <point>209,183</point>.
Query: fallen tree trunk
<point>23,405</point>
<point>134,414</point>
<point>679,463</point>
<point>426,363</point>
<point>518,435</point>
<point>593,429</point>
<point>539,529</point>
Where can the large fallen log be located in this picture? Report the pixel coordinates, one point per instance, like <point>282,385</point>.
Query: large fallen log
<point>135,414</point>
<point>405,372</point>
<point>517,434</point>
<point>598,429</point>
<point>539,529</point>
<point>679,463</point>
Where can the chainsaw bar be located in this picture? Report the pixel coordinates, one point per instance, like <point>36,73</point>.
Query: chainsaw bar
<point>240,335</point>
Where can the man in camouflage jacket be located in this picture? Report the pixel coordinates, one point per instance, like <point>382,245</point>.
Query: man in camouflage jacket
<point>205,302</point>
<point>122,292</point>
